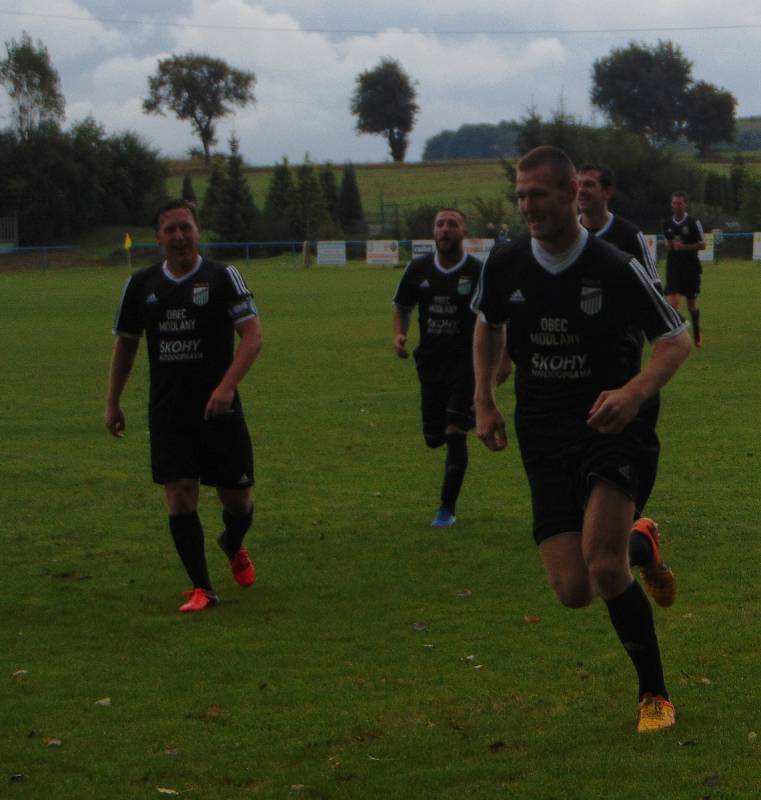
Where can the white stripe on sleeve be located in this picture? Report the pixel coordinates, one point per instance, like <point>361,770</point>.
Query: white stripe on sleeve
<point>669,315</point>
<point>237,280</point>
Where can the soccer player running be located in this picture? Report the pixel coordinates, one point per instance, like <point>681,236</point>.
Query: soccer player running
<point>597,185</point>
<point>189,308</point>
<point>441,285</point>
<point>684,238</point>
<point>569,301</point>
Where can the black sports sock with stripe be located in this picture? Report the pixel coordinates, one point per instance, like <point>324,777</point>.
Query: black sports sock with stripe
<point>632,617</point>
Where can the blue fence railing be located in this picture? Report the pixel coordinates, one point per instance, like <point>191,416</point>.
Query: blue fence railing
<point>44,252</point>
<point>734,244</point>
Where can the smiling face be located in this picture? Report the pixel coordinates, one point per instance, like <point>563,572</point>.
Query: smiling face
<point>448,232</point>
<point>547,205</point>
<point>593,196</point>
<point>179,238</point>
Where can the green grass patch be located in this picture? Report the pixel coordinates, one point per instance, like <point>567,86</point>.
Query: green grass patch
<point>374,657</point>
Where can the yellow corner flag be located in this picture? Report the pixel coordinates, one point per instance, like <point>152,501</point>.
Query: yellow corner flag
<point>127,241</point>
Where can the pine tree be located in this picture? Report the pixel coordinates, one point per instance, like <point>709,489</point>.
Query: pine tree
<point>278,203</point>
<point>330,195</point>
<point>215,191</point>
<point>188,192</point>
<point>238,215</point>
<point>350,213</point>
<point>308,215</point>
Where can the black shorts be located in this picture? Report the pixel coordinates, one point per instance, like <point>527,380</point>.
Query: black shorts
<point>447,400</point>
<point>217,452</point>
<point>683,279</point>
<point>560,484</point>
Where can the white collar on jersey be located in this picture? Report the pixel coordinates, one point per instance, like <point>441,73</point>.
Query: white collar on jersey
<point>449,271</point>
<point>605,228</point>
<point>678,221</point>
<point>168,275</point>
<point>557,264</point>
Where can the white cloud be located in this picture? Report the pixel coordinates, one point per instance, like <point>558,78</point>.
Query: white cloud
<point>305,80</point>
<point>67,29</point>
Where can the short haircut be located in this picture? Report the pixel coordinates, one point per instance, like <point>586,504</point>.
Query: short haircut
<point>561,165</point>
<point>679,193</point>
<point>607,176</point>
<point>171,206</point>
<point>453,210</point>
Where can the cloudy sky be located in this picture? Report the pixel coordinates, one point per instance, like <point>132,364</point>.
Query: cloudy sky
<point>482,61</point>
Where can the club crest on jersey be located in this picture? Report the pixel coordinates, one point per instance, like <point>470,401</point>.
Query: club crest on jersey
<point>464,285</point>
<point>591,300</point>
<point>201,294</point>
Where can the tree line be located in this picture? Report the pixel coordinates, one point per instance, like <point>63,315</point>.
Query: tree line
<point>643,89</point>
<point>60,183</point>
<point>302,203</point>
<point>646,173</point>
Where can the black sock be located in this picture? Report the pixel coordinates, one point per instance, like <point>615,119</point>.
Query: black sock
<point>632,617</point>
<point>640,549</point>
<point>235,529</point>
<point>454,470</point>
<point>188,539</point>
<point>695,323</point>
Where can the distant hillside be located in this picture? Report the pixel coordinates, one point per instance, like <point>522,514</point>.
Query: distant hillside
<point>404,185</point>
<point>496,141</point>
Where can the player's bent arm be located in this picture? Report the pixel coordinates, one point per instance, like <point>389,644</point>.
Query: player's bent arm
<point>488,349</point>
<point>401,326</point>
<point>505,367</point>
<point>249,347</point>
<point>122,359</point>
<point>614,410</point>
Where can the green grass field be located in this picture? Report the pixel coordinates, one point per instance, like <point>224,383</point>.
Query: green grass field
<point>411,184</point>
<point>374,657</point>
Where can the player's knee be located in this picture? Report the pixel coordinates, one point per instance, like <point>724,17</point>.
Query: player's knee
<point>237,502</point>
<point>434,440</point>
<point>572,593</point>
<point>239,509</point>
<point>181,497</point>
<point>606,576</point>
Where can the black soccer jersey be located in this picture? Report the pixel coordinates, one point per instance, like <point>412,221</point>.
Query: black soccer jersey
<point>627,237</point>
<point>443,297</point>
<point>188,324</point>
<point>572,331</point>
<point>689,231</point>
